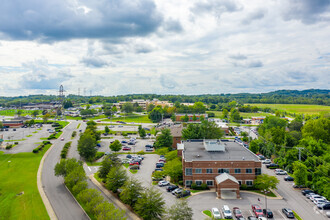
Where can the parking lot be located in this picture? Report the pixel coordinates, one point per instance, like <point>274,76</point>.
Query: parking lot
<point>31,135</point>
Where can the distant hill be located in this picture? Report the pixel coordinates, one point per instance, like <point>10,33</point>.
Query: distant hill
<point>309,96</point>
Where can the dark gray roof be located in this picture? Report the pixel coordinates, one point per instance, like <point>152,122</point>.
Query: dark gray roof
<point>195,151</point>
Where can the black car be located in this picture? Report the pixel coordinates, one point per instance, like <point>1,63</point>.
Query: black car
<point>171,188</point>
<point>272,165</point>
<point>288,212</point>
<point>150,146</point>
<point>252,218</point>
<point>184,193</point>
<point>326,206</point>
<point>288,178</point>
<point>128,156</point>
<point>306,191</point>
<point>268,213</point>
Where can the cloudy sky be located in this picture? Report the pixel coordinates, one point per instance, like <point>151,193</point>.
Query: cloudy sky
<point>111,47</point>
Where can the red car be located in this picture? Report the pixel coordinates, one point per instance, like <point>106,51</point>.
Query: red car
<point>133,163</point>
<point>126,148</point>
<point>162,160</point>
<point>237,213</point>
<point>257,211</point>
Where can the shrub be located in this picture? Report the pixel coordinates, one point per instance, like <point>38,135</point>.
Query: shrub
<point>74,133</point>
<point>8,147</point>
<point>141,152</point>
<point>125,134</point>
<point>201,187</point>
<point>35,150</point>
<point>46,142</point>
<point>134,167</point>
<point>16,143</point>
<point>193,186</point>
<point>65,150</point>
<point>204,186</point>
<point>243,187</point>
<point>181,182</point>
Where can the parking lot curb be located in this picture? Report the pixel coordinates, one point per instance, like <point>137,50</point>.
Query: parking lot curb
<point>206,191</point>
<point>118,203</point>
<point>278,197</point>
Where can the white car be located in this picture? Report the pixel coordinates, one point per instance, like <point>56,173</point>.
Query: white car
<point>318,197</point>
<point>267,161</point>
<point>262,218</point>
<point>280,172</point>
<point>309,195</point>
<point>163,183</point>
<point>226,212</point>
<point>314,196</point>
<point>215,213</point>
<point>320,201</point>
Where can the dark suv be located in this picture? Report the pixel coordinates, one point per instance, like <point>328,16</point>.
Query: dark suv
<point>268,213</point>
<point>171,188</point>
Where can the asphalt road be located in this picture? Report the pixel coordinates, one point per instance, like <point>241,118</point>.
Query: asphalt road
<point>62,202</point>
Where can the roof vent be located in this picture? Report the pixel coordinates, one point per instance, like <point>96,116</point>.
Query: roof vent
<point>214,146</point>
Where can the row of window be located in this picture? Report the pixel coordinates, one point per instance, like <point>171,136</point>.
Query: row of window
<point>189,171</point>
<point>211,182</point>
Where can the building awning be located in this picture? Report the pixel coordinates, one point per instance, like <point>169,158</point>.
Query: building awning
<point>225,176</point>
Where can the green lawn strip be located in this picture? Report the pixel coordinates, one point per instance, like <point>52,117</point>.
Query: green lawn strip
<point>154,183</point>
<point>78,126</point>
<point>126,165</point>
<point>296,215</point>
<point>85,117</point>
<point>20,175</point>
<point>15,140</point>
<point>132,118</point>
<point>35,132</point>
<point>30,135</point>
<point>106,137</point>
<point>208,213</point>
<point>296,108</point>
<point>133,171</point>
<point>13,112</point>
<point>94,163</point>
<point>99,124</point>
<point>270,194</point>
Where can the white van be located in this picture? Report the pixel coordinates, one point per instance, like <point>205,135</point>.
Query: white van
<point>226,212</point>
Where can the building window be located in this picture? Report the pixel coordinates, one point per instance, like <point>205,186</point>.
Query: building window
<point>249,183</point>
<point>223,170</point>
<point>188,171</point>
<point>258,171</point>
<point>198,182</point>
<point>240,182</point>
<point>188,182</point>
<point>237,170</point>
<point>209,170</point>
<point>198,170</point>
<point>248,170</point>
<point>209,182</point>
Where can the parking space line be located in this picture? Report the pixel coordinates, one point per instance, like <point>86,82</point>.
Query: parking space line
<point>251,213</point>
<point>281,214</point>
<point>89,168</point>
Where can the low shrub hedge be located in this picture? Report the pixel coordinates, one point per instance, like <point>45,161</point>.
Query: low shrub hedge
<point>201,187</point>
<point>74,133</point>
<point>65,150</point>
<point>98,155</point>
<point>39,148</point>
<point>8,147</point>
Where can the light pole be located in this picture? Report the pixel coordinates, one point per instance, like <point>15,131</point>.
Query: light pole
<point>265,192</point>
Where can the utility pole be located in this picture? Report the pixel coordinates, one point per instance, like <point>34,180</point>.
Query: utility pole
<point>299,149</point>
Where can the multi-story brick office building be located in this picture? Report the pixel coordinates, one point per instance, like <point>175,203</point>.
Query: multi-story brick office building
<point>223,165</point>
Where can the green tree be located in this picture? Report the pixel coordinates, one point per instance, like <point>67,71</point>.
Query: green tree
<point>142,133</point>
<point>225,113</point>
<point>1,124</point>
<point>106,130</point>
<point>45,118</point>
<point>115,146</point>
<point>131,191</point>
<point>164,139</point>
<point>127,107</point>
<point>185,118</point>
<point>205,129</point>
<point>150,107</point>
<point>171,155</point>
<point>80,186</point>
<point>108,162</point>
<point>19,112</point>
<point>67,103</point>
<point>114,109</point>
<point>277,113</point>
<point>232,104</point>
<point>173,169</point>
<point>65,166</point>
<point>199,107</point>
<point>266,182</point>
<point>106,211</point>
<point>91,198</point>
<point>86,146</point>
<point>254,146</point>
<point>74,177</point>
<point>35,113</point>
<point>116,178</point>
<point>300,173</point>
<point>234,115</point>
<point>156,114</point>
<point>151,205</point>
<point>319,129</point>
<point>180,211</point>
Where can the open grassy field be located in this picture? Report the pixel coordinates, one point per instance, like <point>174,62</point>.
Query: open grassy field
<point>132,118</point>
<point>13,112</point>
<point>298,109</point>
<point>20,175</point>
<point>218,114</point>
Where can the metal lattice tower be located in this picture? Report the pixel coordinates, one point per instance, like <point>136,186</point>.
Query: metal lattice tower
<point>60,102</point>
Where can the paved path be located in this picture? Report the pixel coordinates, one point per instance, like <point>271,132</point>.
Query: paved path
<point>62,202</point>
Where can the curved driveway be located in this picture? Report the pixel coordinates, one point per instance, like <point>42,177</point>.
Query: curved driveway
<point>64,205</point>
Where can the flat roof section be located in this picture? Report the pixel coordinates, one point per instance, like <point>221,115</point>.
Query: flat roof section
<point>195,151</point>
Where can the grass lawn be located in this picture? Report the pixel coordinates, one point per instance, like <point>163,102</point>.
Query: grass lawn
<point>78,126</point>
<point>271,194</point>
<point>296,108</point>
<point>15,140</point>
<point>30,135</point>
<point>13,112</point>
<point>208,213</point>
<point>296,215</point>
<point>20,175</point>
<point>94,163</point>
<point>218,114</point>
<point>132,118</point>
<point>126,165</point>
<point>86,118</point>
<point>133,171</point>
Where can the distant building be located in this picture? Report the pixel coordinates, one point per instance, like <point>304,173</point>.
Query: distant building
<point>191,116</point>
<point>257,120</point>
<point>222,125</point>
<point>176,132</point>
<point>223,165</point>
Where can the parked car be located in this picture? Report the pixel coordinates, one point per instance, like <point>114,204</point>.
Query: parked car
<point>163,183</point>
<point>176,191</point>
<point>98,145</point>
<point>184,193</point>
<point>159,165</point>
<point>262,218</point>
<point>257,210</point>
<point>272,165</point>
<point>128,156</point>
<point>134,167</point>
<point>171,188</point>
<point>226,212</point>
<point>14,129</point>
<point>298,186</point>
<point>326,206</point>
<point>215,213</point>
<point>320,201</point>
<point>237,212</point>
<point>268,213</point>
<point>288,178</point>
<point>150,146</point>
<point>267,161</point>
<point>306,191</point>
<point>132,163</point>
<point>158,169</point>
<point>261,157</point>
<point>280,172</point>
<point>126,148</point>
<point>149,149</point>
<point>311,197</point>
<point>252,218</point>
<point>62,139</point>
<point>288,212</point>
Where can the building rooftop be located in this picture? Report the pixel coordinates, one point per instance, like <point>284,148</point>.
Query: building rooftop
<point>176,131</point>
<point>194,150</point>
<point>225,176</point>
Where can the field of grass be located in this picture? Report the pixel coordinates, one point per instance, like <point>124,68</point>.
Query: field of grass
<point>13,112</point>
<point>20,175</point>
<point>296,108</point>
<point>87,118</point>
<point>218,114</point>
<point>132,118</point>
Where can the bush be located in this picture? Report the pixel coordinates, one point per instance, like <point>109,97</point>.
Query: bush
<point>16,143</point>
<point>243,187</point>
<point>65,150</point>
<point>134,167</point>
<point>74,133</point>
<point>98,155</point>
<point>181,182</point>
<point>39,148</point>
<point>46,142</point>
<point>8,147</point>
<point>201,187</point>
<point>124,134</point>
<point>141,152</point>
<point>35,150</point>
